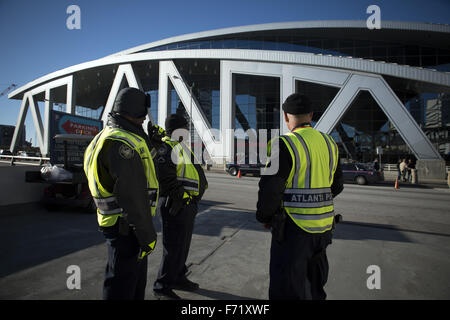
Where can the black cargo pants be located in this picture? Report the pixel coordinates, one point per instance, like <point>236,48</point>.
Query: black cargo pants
<point>298,264</point>
<point>125,274</point>
<point>177,234</point>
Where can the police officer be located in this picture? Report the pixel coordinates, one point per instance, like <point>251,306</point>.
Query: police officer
<point>297,205</point>
<point>122,179</point>
<point>178,209</point>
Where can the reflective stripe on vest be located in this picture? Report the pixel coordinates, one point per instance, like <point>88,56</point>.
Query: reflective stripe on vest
<point>108,208</point>
<point>186,172</point>
<point>307,198</point>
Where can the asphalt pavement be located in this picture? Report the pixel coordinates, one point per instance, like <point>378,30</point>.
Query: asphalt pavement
<point>404,233</point>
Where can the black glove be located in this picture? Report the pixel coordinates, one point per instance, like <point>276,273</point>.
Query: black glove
<point>146,250</point>
<point>155,133</point>
<point>278,223</point>
<point>175,206</point>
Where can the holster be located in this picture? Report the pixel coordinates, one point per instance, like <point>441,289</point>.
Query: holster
<point>337,219</point>
<point>124,228</point>
<point>278,224</point>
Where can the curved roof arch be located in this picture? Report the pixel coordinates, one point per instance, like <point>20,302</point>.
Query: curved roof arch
<point>319,24</point>
<point>435,32</point>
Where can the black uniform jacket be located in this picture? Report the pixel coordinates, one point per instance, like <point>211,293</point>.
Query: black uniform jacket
<point>122,173</point>
<point>271,187</point>
<point>170,186</point>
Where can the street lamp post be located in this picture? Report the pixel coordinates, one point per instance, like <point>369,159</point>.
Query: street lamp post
<point>190,109</point>
<point>190,114</point>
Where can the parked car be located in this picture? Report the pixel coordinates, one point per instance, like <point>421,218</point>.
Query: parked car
<point>6,153</point>
<point>361,174</point>
<point>233,168</point>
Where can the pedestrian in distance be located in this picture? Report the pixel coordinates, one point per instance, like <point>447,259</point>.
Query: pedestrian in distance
<point>178,207</point>
<point>376,165</point>
<point>399,172</point>
<point>296,204</point>
<point>410,166</point>
<point>403,169</point>
<point>122,180</point>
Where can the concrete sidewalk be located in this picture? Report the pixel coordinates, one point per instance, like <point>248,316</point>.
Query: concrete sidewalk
<point>390,176</point>
<point>229,258</point>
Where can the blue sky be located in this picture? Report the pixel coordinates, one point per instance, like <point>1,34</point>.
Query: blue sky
<point>35,40</point>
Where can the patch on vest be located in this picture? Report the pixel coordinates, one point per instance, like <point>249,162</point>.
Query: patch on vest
<point>126,152</point>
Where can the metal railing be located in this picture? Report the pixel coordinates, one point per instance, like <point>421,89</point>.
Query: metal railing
<point>393,167</point>
<point>389,167</point>
<point>30,161</point>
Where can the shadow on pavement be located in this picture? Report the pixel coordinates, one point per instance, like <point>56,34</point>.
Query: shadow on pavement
<point>386,228</point>
<point>31,235</point>
<point>212,223</point>
<point>365,231</point>
<point>211,220</point>
<point>217,295</point>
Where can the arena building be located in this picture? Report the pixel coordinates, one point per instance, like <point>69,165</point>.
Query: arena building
<point>383,90</point>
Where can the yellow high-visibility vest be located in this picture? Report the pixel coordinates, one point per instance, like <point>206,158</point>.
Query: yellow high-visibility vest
<point>108,209</point>
<point>307,197</point>
<point>186,172</point>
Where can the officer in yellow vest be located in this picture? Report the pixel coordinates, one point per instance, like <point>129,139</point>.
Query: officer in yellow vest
<point>296,203</point>
<point>122,179</point>
<point>178,209</point>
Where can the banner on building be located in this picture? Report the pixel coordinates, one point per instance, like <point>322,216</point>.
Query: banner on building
<point>69,124</point>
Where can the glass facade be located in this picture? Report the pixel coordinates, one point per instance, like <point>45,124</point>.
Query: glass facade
<point>257,102</point>
<point>320,96</point>
<point>363,128</point>
<point>204,78</point>
<point>148,74</point>
<point>432,112</point>
<point>430,107</point>
<point>412,53</point>
<point>256,106</point>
